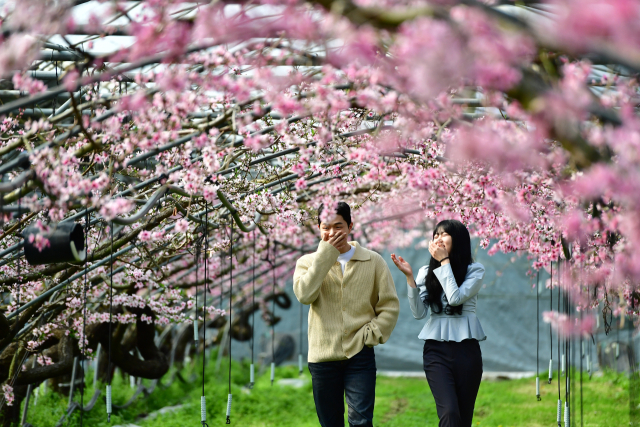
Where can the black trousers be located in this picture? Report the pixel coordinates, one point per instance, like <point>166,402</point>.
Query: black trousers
<point>354,378</point>
<point>454,371</point>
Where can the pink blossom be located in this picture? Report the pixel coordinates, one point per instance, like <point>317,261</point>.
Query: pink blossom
<point>115,207</point>
<point>8,394</point>
<point>27,84</point>
<point>144,236</point>
<point>17,51</point>
<point>181,226</point>
<point>71,80</point>
<point>570,326</point>
<point>256,143</point>
<point>301,184</point>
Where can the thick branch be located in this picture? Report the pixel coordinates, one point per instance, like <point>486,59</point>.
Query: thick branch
<point>154,364</point>
<point>62,367</point>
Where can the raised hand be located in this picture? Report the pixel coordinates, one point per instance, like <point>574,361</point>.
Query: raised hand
<point>402,265</point>
<point>437,250</point>
<point>338,240</point>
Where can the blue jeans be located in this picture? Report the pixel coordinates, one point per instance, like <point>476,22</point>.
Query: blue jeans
<point>355,378</point>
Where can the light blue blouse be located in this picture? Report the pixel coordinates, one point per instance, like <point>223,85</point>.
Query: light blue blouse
<point>454,327</point>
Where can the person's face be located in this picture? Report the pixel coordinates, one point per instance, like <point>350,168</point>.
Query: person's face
<point>335,225</point>
<point>443,239</point>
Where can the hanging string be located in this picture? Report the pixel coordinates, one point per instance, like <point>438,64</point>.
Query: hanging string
<point>230,396</point>
<point>109,371</point>
<point>550,334</point>
<point>581,358</point>
<point>564,341</point>
<point>18,259</point>
<point>195,316</point>
<point>84,310</point>
<point>196,335</point>
<point>537,336</point>
<point>566,358</point>
<point>633,378</point>
<point>253,313</point>
<point>273,311</point>
<point>559,414</point>
<point>572,379</point>
<point>205,242</point>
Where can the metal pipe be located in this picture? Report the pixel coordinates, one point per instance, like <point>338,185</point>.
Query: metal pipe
<point>142,212</point>
<point>11,249</point>
<point>13,258</point>
<point>66,282</point>
<point>7,187</point>
<point>73,380</point>
<point>98,77</point>
<point>21,93</point>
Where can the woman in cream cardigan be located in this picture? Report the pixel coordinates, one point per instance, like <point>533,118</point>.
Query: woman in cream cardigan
<point>446,291</point>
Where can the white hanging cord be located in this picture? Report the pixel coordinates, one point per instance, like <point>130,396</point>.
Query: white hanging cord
<point>559,417</point>
<point>567,422</point>
<point>203,411</point>
<point>109,409</point>
<point>229,398</point>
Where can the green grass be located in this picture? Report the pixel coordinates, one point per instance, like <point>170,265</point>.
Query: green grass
<point>399,402</point>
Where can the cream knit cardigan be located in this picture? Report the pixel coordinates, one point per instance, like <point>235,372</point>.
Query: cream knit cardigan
<point>347,312</point>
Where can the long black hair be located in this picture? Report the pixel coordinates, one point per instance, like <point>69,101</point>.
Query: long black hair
<point>460,258</point>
